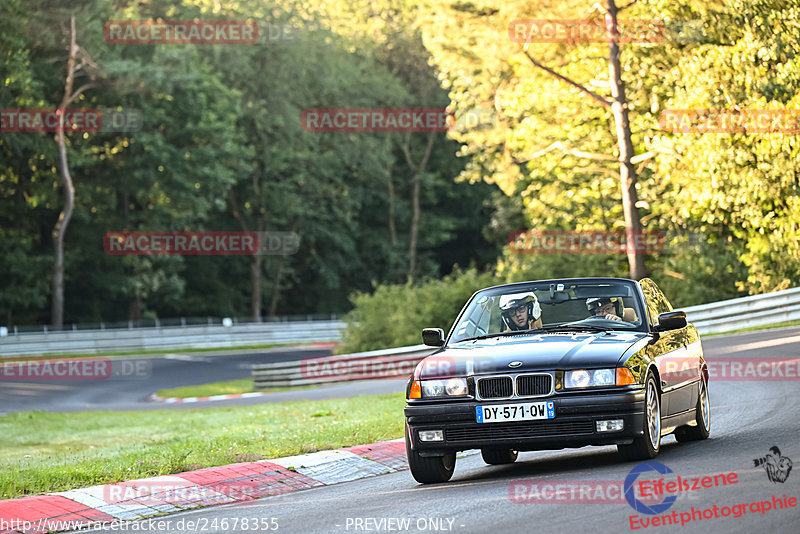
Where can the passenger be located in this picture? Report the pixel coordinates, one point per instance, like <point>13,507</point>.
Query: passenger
<point>605,307</point>
<point>520,311</point>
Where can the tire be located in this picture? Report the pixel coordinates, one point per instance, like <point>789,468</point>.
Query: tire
<point>430,470</point>
<point>648,444</point>
<point>702,428</point>
<point>499,456</point>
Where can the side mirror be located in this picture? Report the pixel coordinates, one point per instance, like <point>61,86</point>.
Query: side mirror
<point>671,321</point>
<point>433,337</point>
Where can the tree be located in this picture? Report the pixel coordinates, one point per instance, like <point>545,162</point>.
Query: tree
<point>78,63</point>
<point>489,55</point>
<point>24,187</point>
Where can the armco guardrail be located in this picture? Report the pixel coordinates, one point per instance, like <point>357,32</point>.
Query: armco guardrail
<point>389,363</point>
<point>169,338</point>
<point>733,314</point>
<point>723,316</point>
<point>745,312</point>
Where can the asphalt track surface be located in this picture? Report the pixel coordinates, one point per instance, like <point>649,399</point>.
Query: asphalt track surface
<point>748,417</point>
<point>146,375</point>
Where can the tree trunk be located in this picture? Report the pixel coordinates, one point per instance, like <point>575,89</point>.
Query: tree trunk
<point>135,308</point>
<point>276,288</point>
<point>257,259</point>
<point>255,273</point>
<point>60,228</point>
<point>417,171</point>
<point>390,187</point>
<point>255,288</point>
<point>619,109</point>
<point>627,172</point>
<point>412,238</point>
<point>276,282</point>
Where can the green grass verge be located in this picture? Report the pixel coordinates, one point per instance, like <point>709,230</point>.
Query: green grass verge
<point>43,452</point>
<point>754,328</point>
<point>230,387</point>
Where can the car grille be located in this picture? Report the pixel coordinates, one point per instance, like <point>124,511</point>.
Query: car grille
<point>495,387</point>
<point>519,430</point>
<point>531,385</point>
<point>502,387</point>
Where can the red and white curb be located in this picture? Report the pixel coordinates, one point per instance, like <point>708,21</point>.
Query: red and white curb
<point>143,498</point>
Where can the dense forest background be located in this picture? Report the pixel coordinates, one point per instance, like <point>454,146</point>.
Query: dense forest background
<point>221,148</point>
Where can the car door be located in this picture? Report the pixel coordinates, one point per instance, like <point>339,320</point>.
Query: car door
<point>675,362</point>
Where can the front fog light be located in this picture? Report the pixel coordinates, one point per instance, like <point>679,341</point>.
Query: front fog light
<point>613,425</point>
<point>431,435</point>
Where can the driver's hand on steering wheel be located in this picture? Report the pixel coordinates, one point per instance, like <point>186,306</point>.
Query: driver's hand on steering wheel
<point>613,317</point>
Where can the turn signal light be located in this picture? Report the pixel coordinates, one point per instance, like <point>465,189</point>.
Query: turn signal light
<point>624,376</point>
<point>415,392</point>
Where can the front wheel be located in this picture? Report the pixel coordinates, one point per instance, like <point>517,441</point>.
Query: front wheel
<point>432,469</point>
<point>702,427</point>
<point>648,444</point>
<point>499,456</point>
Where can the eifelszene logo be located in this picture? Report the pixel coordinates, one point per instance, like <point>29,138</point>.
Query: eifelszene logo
<point>637,504</point>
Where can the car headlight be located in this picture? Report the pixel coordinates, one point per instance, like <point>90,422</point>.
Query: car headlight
<point>587,378</point>
<point>453,387</point>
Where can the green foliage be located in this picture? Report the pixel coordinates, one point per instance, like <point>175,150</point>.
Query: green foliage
<point>740,187</point>
<point>555,149</point>
<point>393,315</point>
<point>222,130</point>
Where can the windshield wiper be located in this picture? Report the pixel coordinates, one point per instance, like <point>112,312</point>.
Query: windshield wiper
<point>545,328</point>
<point>500,334</point>
<point>573,328</point>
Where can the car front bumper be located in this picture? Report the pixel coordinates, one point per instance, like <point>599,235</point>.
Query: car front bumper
<point>574,424</point>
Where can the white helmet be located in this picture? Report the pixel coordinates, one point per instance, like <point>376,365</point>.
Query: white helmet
<point>509,303</point>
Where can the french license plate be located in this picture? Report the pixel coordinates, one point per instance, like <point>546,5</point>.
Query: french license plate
<point>503,413</point>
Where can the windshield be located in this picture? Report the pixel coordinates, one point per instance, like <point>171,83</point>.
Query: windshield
<point>551,305</point>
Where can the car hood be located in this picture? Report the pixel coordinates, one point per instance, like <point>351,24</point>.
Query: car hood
<point>534,352</point>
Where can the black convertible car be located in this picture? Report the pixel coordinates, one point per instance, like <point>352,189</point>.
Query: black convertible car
<point>553,364</point>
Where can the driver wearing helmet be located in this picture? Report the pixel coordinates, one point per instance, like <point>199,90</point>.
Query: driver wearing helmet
<point>520,311</point>
<point>605,307</point>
